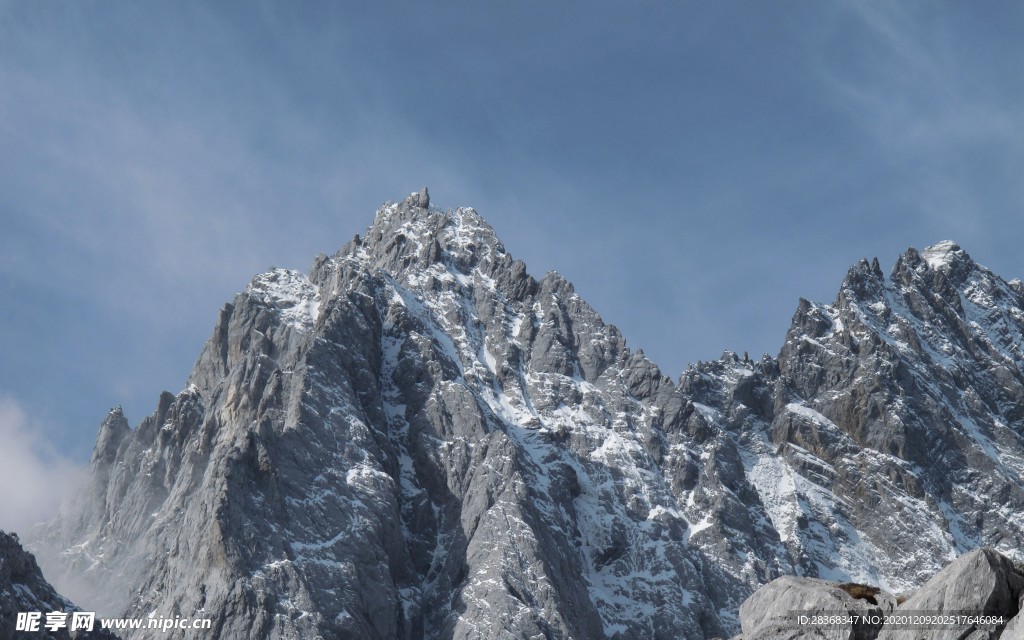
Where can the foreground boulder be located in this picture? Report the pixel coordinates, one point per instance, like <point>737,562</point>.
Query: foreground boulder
<point>792,608</point>
<point>1015,630</point>
<point>982,583</point>
<point>979,596</point>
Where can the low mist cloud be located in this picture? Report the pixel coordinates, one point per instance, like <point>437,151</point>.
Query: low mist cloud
<point>34,476</point>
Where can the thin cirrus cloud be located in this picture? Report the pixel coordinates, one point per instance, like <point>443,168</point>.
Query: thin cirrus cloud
<point>940,107</point>
<point>131,223</point>
<point>693,169</point>
<point>166,200</point>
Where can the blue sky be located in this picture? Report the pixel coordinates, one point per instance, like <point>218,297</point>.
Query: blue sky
<point>694,168</point>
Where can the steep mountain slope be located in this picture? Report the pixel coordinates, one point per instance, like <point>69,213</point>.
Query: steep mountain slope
<point>419,439</point>
<point>887,437</point>
<point>23,590</point>
<point>922,374</point>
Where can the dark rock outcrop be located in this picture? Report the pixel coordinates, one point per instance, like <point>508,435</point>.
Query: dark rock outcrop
<point>23,589</point>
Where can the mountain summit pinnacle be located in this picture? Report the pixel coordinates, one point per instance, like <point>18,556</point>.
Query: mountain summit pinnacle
<point>943,254</point>
<point>421,199</point>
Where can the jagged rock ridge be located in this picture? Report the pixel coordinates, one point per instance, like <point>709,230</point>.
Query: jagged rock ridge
<point>23,590</point>
<point>419,439</point>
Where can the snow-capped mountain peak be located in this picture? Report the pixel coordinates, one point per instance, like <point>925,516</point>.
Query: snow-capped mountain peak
<point>418,438</point>
<point>943,254</point>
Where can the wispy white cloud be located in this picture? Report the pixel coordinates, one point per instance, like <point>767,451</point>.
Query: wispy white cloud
<point>915,85</point>
<point>34,476</point>
<point>662,167</point>
<point>924,86</point>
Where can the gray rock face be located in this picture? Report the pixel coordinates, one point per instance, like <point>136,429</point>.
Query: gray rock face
<point>421,199</point>
<point>918,383</point>
<point>1015,629</point>
<point>885,440</point>
<point>23,590</point>
<point>419,439</point>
